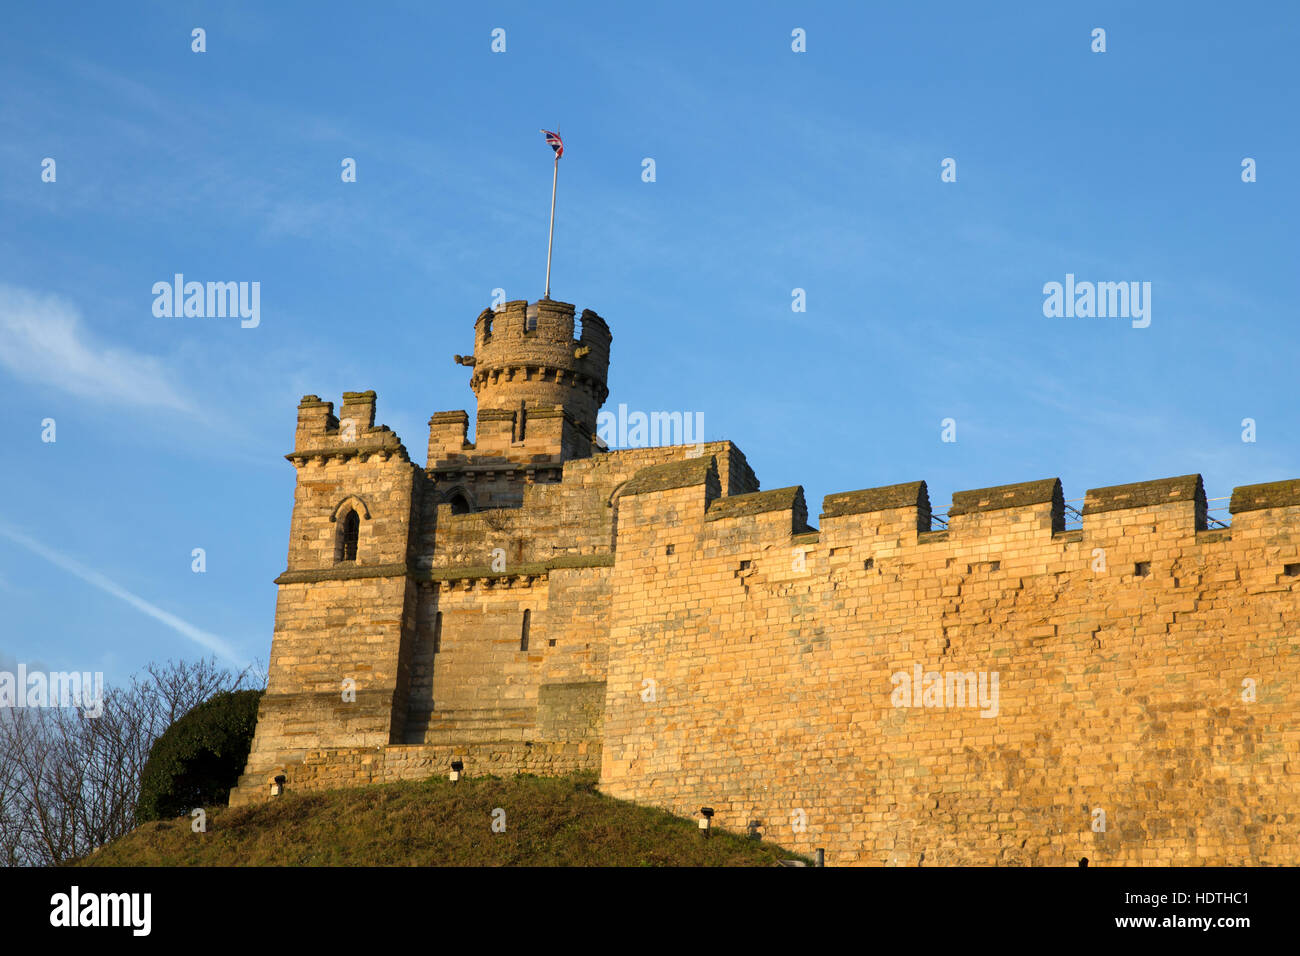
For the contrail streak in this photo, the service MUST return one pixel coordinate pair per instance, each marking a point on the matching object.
(210, 641)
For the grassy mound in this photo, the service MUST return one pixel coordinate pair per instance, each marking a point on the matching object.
(549, 821)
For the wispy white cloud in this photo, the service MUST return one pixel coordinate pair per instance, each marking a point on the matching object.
(44, 340)
(204, 639)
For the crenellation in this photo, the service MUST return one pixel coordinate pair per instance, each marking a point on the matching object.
(449, 436)
(1040, 504)
(595, 339)
(359, 408)
(785, 500)
(1171, 500)
(494, 431)
(315, 420)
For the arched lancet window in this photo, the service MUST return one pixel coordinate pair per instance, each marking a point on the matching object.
(437, 633)
(349, 532)
(458, 502)
(523, 636)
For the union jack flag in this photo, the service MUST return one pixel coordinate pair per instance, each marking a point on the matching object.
(553, 140)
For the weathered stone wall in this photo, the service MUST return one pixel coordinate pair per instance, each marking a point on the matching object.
(340, 768)
(752, 669)
(1002, 690)
(574, 516)
(418, 639)
(339, 667)
(481, 662)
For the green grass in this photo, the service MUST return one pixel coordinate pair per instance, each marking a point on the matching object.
(550, 821)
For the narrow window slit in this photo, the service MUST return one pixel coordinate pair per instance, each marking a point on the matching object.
(349, 533)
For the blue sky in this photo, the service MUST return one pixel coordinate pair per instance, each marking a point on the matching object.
(775, 170)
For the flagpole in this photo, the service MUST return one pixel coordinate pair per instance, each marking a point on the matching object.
(551, 234)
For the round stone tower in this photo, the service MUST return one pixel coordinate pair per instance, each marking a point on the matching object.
(526, 358)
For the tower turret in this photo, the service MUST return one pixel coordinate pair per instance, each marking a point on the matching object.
(527, 353)
(539, 390)
(529, 368)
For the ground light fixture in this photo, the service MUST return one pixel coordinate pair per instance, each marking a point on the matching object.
(277, 785)
(456, 767)
(706, 820)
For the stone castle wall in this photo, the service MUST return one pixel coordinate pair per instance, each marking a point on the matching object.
(699, 643)
(414, 649)
(1121, 651)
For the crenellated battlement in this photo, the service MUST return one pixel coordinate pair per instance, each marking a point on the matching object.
(539, 388)
(547, 321)
(1020, 526)
(322, 436)
(527, 352)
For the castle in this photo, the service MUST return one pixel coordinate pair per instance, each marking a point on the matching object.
(999, 690)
